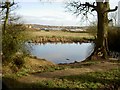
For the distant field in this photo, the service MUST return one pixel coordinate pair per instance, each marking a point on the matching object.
(35, 33)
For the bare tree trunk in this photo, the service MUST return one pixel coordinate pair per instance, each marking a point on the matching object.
(102, 33)
(6, 17)
(101, 48)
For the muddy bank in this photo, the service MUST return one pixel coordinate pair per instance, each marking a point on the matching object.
(43, 39)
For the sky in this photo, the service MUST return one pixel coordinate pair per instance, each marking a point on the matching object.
(51, 12)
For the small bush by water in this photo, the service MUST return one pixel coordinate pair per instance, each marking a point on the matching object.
(19, 61)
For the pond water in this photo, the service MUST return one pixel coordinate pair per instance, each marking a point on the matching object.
(61, 52)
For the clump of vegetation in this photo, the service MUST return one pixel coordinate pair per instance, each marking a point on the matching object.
(13, 45)
(19, 61)
(114, 39)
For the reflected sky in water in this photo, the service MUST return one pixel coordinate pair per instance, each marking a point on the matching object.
(62, 53)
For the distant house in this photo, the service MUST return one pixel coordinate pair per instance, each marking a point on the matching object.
(36, 27)
(28, 26)
(42, 28)
(77, 30)
(51, 28)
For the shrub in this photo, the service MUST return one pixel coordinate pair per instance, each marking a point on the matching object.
(19, 61)
(12, 42)
(114, 39)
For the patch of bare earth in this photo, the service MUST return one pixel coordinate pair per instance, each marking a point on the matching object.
(81, 68)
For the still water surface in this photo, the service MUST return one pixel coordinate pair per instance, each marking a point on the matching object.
(61, 53)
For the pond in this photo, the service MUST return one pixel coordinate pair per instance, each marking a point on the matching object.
(61, 52)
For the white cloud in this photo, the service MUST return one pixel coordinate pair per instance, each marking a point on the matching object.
(50, 20)
(52, 14)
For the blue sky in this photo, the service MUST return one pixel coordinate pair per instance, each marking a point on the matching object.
(50, 13)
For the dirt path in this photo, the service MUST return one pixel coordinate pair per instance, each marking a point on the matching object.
(102, 66)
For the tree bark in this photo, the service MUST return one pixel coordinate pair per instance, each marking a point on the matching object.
(101, 43)
(101, 48)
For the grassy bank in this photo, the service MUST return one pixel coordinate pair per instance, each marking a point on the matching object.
(32, 65)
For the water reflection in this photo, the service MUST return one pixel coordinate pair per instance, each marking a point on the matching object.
(62, 52)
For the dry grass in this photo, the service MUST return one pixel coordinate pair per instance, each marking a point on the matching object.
(34, 33)
(37, 64)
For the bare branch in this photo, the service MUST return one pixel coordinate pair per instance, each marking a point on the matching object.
(112, 10)
(13, 3)
(81, 8)
(6, 4)
(90, 5)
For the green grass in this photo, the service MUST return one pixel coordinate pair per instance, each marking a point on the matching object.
(109, 79)
(50, 69)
